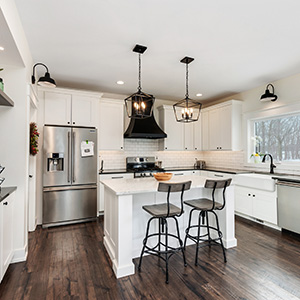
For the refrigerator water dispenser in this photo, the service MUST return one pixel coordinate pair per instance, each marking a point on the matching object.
(55, 162)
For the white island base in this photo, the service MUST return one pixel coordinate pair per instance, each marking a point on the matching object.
(125, 221)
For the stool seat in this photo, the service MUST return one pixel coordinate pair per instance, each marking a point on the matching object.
(161, 210)
(203, 204)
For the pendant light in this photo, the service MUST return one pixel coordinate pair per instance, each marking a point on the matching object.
(268, 96)
(46, 80)
(139, 105)
(187, 110)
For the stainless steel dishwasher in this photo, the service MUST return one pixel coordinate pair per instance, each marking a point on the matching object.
(288, 194)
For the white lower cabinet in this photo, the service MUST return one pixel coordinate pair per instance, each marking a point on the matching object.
(6, 233)
(115, 176)
(255, 203)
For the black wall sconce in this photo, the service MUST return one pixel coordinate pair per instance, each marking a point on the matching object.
(268, 96)
(46, 80)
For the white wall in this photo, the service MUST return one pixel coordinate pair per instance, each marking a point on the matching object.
(14, 127)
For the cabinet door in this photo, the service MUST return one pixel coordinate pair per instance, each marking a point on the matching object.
(243, 201)
(111, 126)
(84, 111)
(57, 110)
(188, 136)
(205, 130)
(6, 233)
(265, 207)
(174, 131)
(197, 135)
(101, 186)
(214, 129)
(225, 120)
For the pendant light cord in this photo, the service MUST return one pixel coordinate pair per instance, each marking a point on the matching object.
(140, 63)
(187, 81)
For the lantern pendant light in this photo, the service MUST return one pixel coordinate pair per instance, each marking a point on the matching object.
(139, 105)
(269, 96)
(187, 110)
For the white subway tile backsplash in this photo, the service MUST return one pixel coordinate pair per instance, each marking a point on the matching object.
(139, 147)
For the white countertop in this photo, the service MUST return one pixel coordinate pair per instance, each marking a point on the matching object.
(147, 185)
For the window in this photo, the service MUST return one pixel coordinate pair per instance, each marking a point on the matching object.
(278, 136)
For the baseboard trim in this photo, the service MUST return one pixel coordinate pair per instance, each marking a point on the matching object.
(20, 254)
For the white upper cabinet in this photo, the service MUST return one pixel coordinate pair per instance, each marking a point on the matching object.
(111, 125)
(222, 126)
(197, 134)
(68, 107)
(84, 110)
(180, 136)
(58, 109)
(204, 130)
(188, 136)
(173, 129)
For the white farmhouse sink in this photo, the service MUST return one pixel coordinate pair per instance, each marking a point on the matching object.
(256, 181)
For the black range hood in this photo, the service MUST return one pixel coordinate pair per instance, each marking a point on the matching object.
(144, 129)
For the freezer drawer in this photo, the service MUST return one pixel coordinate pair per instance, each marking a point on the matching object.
(66, 205)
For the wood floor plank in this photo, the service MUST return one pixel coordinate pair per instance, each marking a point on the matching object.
(70, 262)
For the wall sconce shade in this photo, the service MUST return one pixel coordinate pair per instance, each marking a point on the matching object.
(46, 80)
(268, 96)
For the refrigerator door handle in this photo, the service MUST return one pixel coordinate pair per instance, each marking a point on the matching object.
(73, 160)
(69, 157)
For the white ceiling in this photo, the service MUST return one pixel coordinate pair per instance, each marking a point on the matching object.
(237, 45)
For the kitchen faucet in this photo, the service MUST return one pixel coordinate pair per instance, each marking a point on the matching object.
(272, 166)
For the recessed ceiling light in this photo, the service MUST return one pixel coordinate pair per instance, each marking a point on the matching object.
(120, 82)
(198, 95)
(1, 48)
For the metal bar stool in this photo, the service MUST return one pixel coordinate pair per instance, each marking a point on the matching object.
(205, 206)
(163, 212)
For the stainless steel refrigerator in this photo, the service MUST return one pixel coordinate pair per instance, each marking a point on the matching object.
(70, 175)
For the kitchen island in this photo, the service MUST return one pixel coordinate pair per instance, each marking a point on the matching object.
(125, 221)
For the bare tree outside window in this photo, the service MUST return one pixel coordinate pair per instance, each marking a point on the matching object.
(279, 137)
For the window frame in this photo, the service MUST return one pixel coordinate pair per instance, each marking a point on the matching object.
(250, 118)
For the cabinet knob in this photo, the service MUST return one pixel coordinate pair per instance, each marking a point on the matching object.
(30, 176)
(249, 195)
(253, 195)
(166, 148)
(68, 122)
(220, 147)
(185, 148)
(121, 147)
(196, 148)
(217, 147)
(73, 122)
(5, 203)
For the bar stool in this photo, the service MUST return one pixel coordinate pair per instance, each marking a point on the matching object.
(163, 212)
(205, 206)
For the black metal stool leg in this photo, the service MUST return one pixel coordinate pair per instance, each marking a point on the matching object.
(180, 242)
(160, 224)
(198, 237)
(167, 255)
(188, 228)
(220, 236)
(208, 232)
(144, 244)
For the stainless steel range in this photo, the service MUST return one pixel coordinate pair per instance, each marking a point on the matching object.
(142, 166)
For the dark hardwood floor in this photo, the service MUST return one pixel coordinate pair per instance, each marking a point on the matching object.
(70, 262)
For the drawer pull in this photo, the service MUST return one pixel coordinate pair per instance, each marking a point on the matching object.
(117, 177)
(5, 203)
(217, 175)
(178, 174)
